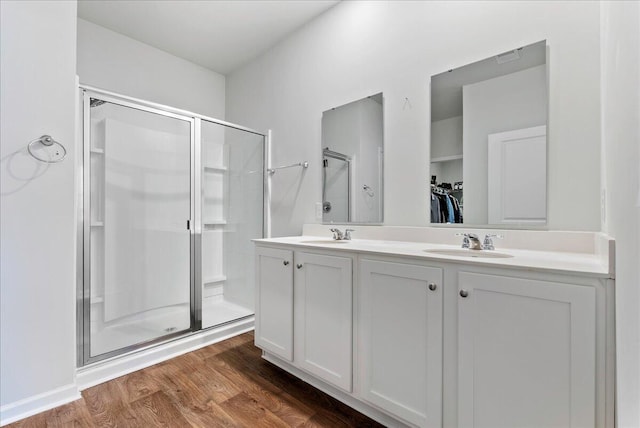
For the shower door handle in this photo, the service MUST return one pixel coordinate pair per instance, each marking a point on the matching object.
(188, 224)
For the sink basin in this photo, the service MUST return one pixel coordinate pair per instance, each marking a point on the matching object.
(469, 253)
(325, 241)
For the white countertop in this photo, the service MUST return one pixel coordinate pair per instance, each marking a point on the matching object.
(590, 264)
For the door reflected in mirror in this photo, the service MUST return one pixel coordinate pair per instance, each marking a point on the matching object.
(488, 140)
(352, 162)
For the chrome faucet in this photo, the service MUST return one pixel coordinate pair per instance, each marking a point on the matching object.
(470, 241)
(347, 234)
(474, 242)
(339, 236)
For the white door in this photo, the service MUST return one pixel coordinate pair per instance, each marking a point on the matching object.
(274, 301)
(517, 176)
(322, 301)
(400, 334)
(526, 353)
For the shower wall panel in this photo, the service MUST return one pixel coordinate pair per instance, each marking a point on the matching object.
(146, 211)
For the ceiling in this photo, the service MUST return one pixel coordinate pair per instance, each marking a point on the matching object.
(221, 35)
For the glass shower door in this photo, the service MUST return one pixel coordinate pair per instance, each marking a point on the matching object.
(138, 267)
(232, 214)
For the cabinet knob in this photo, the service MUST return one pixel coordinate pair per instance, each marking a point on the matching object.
(432, 286)
(299, 265)
(286, 262)
(464, 293)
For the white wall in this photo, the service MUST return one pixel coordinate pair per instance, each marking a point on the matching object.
(506, 103)
(117, 63)
(446, 137)
(359, 48)
(621, 180)
(37, 221)
(367, 203)
(448, 171)
(146, 252)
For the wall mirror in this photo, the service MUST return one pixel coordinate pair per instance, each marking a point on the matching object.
(352, 162)
(489, 141)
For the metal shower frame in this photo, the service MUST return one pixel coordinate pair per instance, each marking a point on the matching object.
(83, 226)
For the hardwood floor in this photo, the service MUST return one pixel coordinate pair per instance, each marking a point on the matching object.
(222, 385)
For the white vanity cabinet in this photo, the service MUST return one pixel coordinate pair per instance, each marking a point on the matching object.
(400, 339)
(420, 341)
(526, 352)
(274, 301)
(322, 313)
(304, 311)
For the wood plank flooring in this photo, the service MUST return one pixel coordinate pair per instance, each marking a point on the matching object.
(226, 384)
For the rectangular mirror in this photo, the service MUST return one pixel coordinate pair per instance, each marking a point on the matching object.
(489, 141)
(352, 162)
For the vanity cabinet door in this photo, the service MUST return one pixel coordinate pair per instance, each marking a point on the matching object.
(400, 335)
(323, 317)
(274, 301)
(526, 353)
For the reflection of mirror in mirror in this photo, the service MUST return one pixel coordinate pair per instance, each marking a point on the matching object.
(488, 140)
(352, 154)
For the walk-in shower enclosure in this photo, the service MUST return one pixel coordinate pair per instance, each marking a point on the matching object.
(170, 203)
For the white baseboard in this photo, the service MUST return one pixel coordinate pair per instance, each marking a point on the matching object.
(103, 371)
(30, 406)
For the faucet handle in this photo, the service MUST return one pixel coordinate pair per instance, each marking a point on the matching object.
(465, 239)
(347, 234)
(488, 241)
(337, 234)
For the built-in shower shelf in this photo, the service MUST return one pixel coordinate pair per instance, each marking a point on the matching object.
(446, 158)
(97, 151)
(97, 224)
(214, 223)
(215, 168)
(213, 291)
(215, 279)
